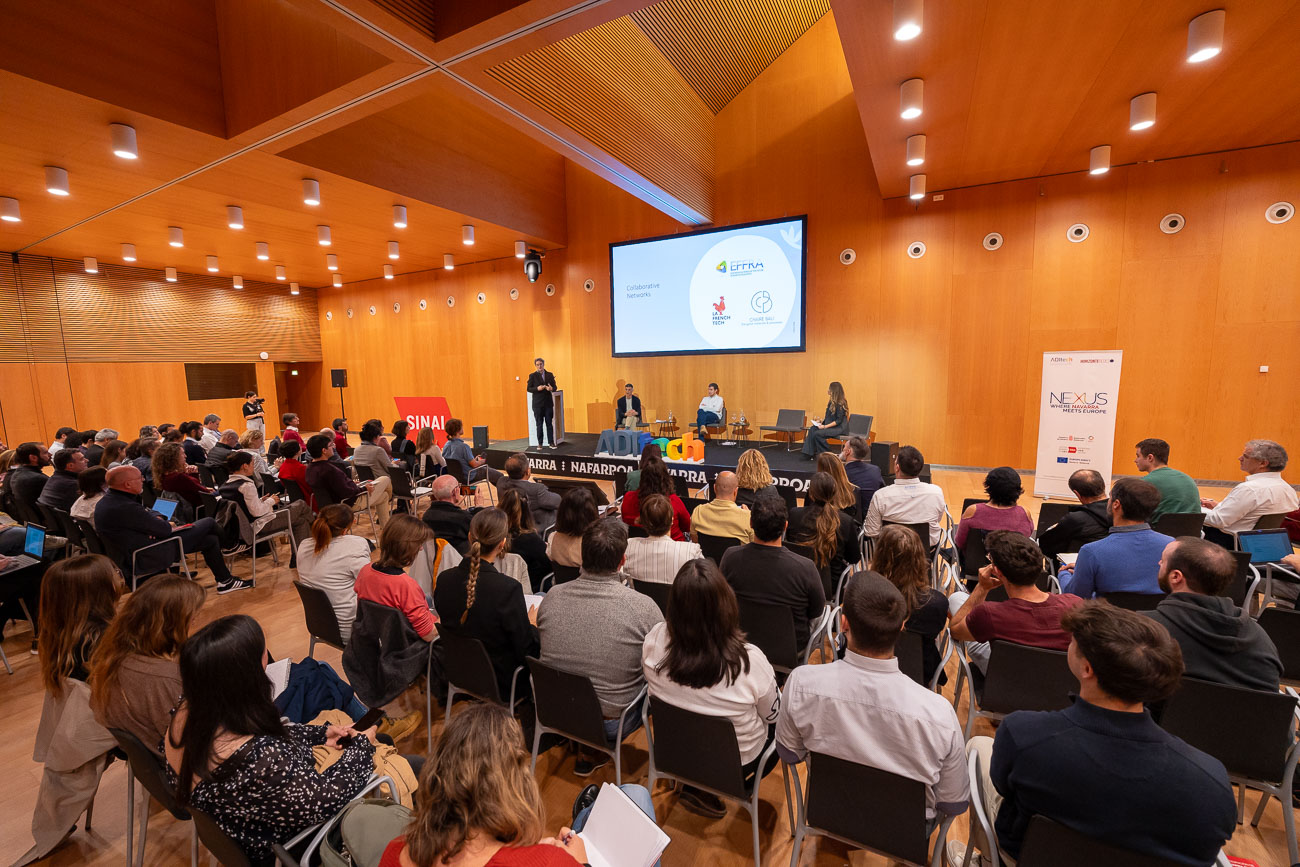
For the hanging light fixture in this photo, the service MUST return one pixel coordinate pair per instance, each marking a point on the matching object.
(263, 250)
(393, 252)
(128, 252)
(175, 236)
(310, 191)
(92, 267)
(907, 19)
(331, 262)
(915, 150)
(1099, 160)
(388, 272)
(521, 249)
(448, 262)
(123, 137)
(1142, 111)
(916, 187)
(9, 210)
(279, 272)
(234, 216)
(467, 235)
(338, 281)
(323, 236)
(56, 181)
(911, 96)
(170, 274)
(237, 282)
(212, 265)
(399, 216)
(1205, 36)
(293, 288)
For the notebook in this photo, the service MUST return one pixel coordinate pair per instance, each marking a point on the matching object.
(531, 599)
(1067, 559)
(1265, 546)
(618, 834)
(278, 673)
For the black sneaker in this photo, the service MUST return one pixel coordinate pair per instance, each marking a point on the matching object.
(589, 762)
(703, 803)
(586, 798)
(232, 585)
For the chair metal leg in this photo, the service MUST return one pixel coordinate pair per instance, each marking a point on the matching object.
(22, 603)
(789, 803)
(1259, 809)
(753, 821)
(145, 801)
(130, 815)
(537, 745)
(311, 647)
(194, 844)
(5, 659)
(618, 764)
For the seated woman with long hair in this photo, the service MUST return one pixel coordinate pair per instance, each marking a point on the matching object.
(91, 483)
(1001, 512)
(78, 602)
(170, 474)
(752, 476)
(846, 493)
(821, 527)
(253, 441)
(651, 452)
(386, 581)
(899, 555)
(403, 449)
(229, 755)
(524, 540)
(332, 559)
(698, 659)
(577, 512)
(428, 457)
(655, 479)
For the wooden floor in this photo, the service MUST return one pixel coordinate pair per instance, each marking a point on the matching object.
(695, 840)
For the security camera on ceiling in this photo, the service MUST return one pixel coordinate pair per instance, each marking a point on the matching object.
(533, 265)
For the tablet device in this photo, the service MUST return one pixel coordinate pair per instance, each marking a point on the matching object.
(166, 508)
(1265, 546)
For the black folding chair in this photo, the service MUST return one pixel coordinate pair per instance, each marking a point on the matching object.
(1283, 626)
(94, 544)
(1048, 515)
(770, 627)
(461, 473)
(405, 490)
(922, 532)
(207, 477)
(1018, 678)
(714, 547)
(788, 423)
(1245, 583)
(974, 557)
(636, 531)
(564, 574)
(567, 705)
(1051, 844)
(364, 473)
(1180, 524)
(469, 672)
(293, 490)
(1134, 601)
(147, 766)
(656, 591)
(322, 620)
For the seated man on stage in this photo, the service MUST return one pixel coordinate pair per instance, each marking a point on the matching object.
(627, 409)
(710, 411)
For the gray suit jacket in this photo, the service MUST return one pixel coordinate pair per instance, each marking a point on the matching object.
(542, 501)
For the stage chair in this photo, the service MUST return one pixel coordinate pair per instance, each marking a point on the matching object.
(858, 426)
(788, 423)
(566, 704)
(720, 428)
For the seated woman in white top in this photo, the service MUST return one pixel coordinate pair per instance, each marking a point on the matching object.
(428, 457)
(90, 482)
(698, 660)
(332, 559)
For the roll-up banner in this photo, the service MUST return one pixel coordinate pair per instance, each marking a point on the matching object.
(1076, 418)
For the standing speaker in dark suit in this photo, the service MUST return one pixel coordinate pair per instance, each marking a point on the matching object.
(541, 385)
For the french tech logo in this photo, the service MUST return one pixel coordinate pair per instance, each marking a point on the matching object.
(721, 304)
(719, 316)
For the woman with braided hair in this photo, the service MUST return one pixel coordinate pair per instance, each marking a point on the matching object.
(475, 600)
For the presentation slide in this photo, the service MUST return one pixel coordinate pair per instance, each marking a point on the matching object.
(737, 289)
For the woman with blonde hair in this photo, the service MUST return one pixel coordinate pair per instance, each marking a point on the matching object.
(332, 559)
(252, 441)
(475, 600)
(825, 530)
(846, 493)
(835, 423)
(385, 582)
(428, 457)
(900, 556)
(752, 475)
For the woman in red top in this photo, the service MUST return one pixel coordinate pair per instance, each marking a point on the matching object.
(478, 802)
(170, 474)
(290, 469)
(385, 581)
(656, 480)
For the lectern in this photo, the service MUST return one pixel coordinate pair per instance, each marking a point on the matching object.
(532, 420)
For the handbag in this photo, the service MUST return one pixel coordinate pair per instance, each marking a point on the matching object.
(363, 832)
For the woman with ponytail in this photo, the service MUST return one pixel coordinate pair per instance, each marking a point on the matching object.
(332, 559)
(475, 600)
(820, 526)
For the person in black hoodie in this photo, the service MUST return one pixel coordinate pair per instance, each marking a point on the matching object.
(1084, 523)
(1218, 644)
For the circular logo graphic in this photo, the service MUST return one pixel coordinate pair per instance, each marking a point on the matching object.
(761, 302)
(742, 293)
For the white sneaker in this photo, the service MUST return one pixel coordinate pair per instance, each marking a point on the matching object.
(955, 856)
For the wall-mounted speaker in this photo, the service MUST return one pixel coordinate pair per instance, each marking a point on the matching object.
(916, 249)
(514, 294)
(589, 284)
(373, 311)
(451, 300)
(424, 305)
(993, 241)
(397, 307)
(482, 298)
(1078, 232)
(349, 312)
(550, 288)
(329, 316)
(848, 256)
(338, 377)
(1172, 224)
(1279, 212)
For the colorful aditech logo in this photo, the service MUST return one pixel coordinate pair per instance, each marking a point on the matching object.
(739, 267)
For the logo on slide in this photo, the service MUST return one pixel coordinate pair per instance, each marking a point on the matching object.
(421, 412)
(759, 315)
(722, 267)
(721, 304)
(761, 302)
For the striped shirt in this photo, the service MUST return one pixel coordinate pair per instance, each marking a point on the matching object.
(658, 558)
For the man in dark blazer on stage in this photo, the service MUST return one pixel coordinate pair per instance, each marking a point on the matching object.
(541, 385)
(628, 403)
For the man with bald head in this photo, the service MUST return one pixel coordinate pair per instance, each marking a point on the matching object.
(445, 517)
(224, 448)
(128, 526)
(721, 516)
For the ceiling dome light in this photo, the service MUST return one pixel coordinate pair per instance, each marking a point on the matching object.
(1142, 111)
(331, 262)
(907, 19)
(911, 96)
(92, 267)
(338, 281)
(1205, 36)
(212, 265)
(123, 140)
(9, 210)
(388, 272)
(448, 262)
(310, 191)
(915, 150)
(467, 235)
(237, 282)
(521, 249)
(916, 187)
(1099, 160)
(128, 252)
(56, 181)
(263, 250)
(393, 252)
(293, 288)
(399, 216)
(175, 237)
(234, 216)
(170, 274)
(279, 272)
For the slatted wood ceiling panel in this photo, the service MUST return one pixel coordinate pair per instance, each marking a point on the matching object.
(613, 87)
(720, 46)
(417, 13)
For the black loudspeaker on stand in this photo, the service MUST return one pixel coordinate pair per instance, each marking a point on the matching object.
(339, 380)
(480, 437)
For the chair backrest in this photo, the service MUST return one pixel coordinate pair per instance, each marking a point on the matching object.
(1049, 514)
(1249, 730)
(93, 543)
(564, 574)
(973, 555)
(695, 747)
(1134, 601)
(789, 418)
(921, 530)
(457, 470)
(1045, 583)
(293, 489)
(210, 504)
(401, 482)
(69, 528)
(468, 667)
(566, 702)
(714, 547)
(364, 473)
(206, 476)
(1241, 581)
(1180, 524)
(878, 810)
(322, 621)
(1051, 844)
(909, 652)
(322, 497)
(1283, 626)
(636, 531)
(970, 501)
(216, 841)
(147, 767)
(859, 425)
(656, 591)
(1270, 522)
(771, 628)
(1026, 678)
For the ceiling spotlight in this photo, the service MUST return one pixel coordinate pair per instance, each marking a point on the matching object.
(212, 265)
(338, 281)
(448, 262)
(9, 210)
(92, 267)
(907, 19)
(1205, 36)
(399, 216)
(175, 237)
(234, 216)
(533, 265)
(1142, 111)
(170, 273)
(911, 94)
(916, 187)
(237, 281)
(521, 249)
(323, 236)
(123, 140)
(293, 288)
(388, 272)
(915, 150)
(393, 252)
(331, 262)
(56, 181)
(128, 252)
(310, 191)
(279, 272)
(467, 235)
(1099, 160)
(263, 250)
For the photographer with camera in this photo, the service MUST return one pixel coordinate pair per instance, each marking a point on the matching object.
(254, 417)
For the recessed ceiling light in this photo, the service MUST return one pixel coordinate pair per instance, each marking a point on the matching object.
(907, 19)
(399, 216)
(56, 181)
(123, 137)
(1099, 160)
(521, 249)
(916, 187)
(1142, 111)
(467, 235)
(393, 252)
(263, 250)
(911, 96)
(331, 261)
(9, 210)
(915, 150)
(92, 267)
(1205, 36)
(338, 280)
(310, 191)
(388, 272)
(237, 281)
(323, 236)
(234, 216)
(212, 265)
(279, 272)
(293, 288)
(175, 237)
(448, 261)
(128, 252)
(170, 274)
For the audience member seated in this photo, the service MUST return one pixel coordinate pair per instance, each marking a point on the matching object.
(331, 558)
(60, 490)
(195, 454)
(1178, 493)
(135, 681)
(91, 483)
(291, 435)
(474, 600)
(403, 448)
(289, 468)
(253, 441)
(649, 453)
(222, 449)
(174, 435)
(863, 709)
(524, 540)
(380, 439)
(1029, 615)
(657, 557)
(370, 455)
(325, 476)
(95, 443)
(899, 556)
(211, 432)
(428, 457)
(865, 476)
(721, 516)
(78, 602)
(846, 496)
(541, 501)
(456, 449)
(385, 581)
(577, 512)
(339, 432)
(229, 754)
(132, 526)
(1128, 559)
(260, 509)
(908, 500)
(655, 479)
(171, 474)
(752, 476)
(766, 571)
(596, 626)
(698, 659)
(25, 480)
(114, 454)
(445, 517)
(1264, 492)
(1218, 644)
(143, 461)
(825, 530)
(478, 802)
(60, 438)
(1002, 484)
(1102, 766)
(1084, 523)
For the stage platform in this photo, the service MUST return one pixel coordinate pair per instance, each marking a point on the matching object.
(576, 458)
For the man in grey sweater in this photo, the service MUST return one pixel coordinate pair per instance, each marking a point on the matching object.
(596, 626)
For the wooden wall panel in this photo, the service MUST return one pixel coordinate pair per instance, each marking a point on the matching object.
(20, 414)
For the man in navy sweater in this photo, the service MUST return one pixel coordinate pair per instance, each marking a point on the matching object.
(856, 456)
(1103, 767)
(1128, 559)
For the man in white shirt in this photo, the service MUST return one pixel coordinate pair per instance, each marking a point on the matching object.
(260, 511)
(658, 558)
(1262, 493)
(710, 411)
(908, 500)
(863, 709)
(60, 436)
(211, 431)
